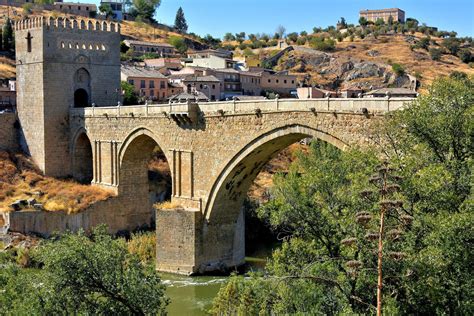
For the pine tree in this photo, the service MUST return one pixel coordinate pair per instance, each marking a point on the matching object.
(180, 21)
(7, 35)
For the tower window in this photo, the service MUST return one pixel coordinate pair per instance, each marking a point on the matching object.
(28, 42)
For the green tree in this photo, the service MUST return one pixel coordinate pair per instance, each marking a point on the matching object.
(327, 263)
(179, 43)
(452, 45)
(379, 22)
(180, 21)
(82, 275)
(293, 37)
(145, 9)
(130, 97)
(7, 35)
(229, 37)
(423, 43)
(363, 21)
(106, 10)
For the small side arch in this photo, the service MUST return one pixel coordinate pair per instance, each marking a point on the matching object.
(82, 157)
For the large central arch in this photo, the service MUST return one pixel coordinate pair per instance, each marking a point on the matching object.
(224, 220)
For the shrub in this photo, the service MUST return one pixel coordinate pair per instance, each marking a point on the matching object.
(178, 43)
(435, 53)
(322, 43)
(424, 43)
(129, 94)
(398, 69)
(452, 45)
(144, 246)
(465, 55)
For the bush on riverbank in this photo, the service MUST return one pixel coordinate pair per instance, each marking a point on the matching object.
(82, 275)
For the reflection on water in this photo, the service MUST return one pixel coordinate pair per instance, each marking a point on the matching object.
(194, 295)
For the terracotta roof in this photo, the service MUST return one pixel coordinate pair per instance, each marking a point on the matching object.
(201, 79)
(131, 71)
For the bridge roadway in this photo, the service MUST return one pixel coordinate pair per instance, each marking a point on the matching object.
(214, 150)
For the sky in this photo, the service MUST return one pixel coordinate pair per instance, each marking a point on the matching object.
(216, 17)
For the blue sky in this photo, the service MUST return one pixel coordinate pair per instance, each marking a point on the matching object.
(217, 17)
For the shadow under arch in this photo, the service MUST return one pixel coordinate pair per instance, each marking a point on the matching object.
(229, 191)
(82, 159)
(135, 154)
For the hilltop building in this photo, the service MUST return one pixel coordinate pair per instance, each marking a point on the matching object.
(384, 14)
(76, 8)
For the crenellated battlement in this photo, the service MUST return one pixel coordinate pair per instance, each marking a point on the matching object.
(66, 23)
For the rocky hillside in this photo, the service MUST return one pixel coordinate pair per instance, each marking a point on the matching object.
(370, 63)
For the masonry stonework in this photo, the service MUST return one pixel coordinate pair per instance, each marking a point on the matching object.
(214, 149)
(62, 63)
(213, 158)
(8, 132)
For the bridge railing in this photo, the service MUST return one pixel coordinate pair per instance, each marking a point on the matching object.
(360, 105)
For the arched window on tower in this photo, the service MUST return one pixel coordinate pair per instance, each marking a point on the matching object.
(28, 42)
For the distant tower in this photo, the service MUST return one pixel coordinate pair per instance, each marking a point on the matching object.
(60, 64)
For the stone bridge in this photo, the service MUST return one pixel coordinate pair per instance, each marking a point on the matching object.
(215, 150)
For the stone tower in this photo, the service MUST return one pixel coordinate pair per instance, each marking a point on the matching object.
(60, 64)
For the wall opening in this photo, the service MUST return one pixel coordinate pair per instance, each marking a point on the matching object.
(145, 175)
(81, 98)
(82, 159)
(28, 42)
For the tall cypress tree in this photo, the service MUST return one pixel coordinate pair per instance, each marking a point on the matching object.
(180, 22)
(7, 35)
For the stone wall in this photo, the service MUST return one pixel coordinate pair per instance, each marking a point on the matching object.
(117, 213)
(8, 132)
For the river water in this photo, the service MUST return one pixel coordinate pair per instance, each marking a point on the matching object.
(194, 295)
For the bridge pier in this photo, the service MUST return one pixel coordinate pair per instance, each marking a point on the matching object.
(188, 244)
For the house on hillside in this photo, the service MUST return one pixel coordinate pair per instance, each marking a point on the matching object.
(149, 83)
(116, 6)
(211, 61)
(314, 93)
(384, 14)
(209, 85)
(140, 48)
(211, 52)
(76, 8)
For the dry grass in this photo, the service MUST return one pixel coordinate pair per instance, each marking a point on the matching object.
(167, 205)
(20, 179)
(7, 67)
(143, 245)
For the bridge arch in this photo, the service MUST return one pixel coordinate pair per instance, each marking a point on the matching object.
(224, 221)
(235, 179)
(82, 159)
(136, 171)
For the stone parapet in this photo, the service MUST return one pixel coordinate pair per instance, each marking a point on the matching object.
(325, 105)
